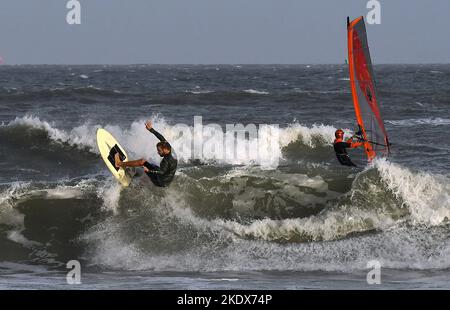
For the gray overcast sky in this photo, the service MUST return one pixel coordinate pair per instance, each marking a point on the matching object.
(219, 31)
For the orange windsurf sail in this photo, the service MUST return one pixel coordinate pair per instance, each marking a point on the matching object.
(365, 99)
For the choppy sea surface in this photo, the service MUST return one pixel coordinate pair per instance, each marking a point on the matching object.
(223, 223)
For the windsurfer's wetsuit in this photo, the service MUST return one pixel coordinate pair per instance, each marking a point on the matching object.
(341, 153)
(162, 176)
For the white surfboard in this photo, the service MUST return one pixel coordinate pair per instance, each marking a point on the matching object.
(109, 147)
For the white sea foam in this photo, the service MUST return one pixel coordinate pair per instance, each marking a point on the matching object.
(109, 192)
(199, 92)
(17, 237)
(426, 195)
(420, 121)
(256, 92)
(8, 198)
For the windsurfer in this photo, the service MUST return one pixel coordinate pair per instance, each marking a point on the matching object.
(340, 147)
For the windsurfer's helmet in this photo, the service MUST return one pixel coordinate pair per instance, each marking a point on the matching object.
(339, 133)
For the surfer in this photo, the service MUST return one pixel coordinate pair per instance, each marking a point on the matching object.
(160, 176)
(340, 147)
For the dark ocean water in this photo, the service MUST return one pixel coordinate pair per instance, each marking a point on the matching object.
(305, 223)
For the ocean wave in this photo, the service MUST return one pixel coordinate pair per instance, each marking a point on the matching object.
(321, 92)
(211, 96)
(199, 92)
(376, 202)
(401, 249)
(81, 136)
(8, 200)
(256, 92)
(425, 195)
(420, 121)
(332, 226)
(268, 150)
(18, 192)
(40, 220)
(12, 94)
(211, 223)
(358, 229)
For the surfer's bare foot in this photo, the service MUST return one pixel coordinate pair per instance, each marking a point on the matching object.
(117, 160)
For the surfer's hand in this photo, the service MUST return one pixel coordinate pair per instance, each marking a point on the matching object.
(148, 125)
(146, 169)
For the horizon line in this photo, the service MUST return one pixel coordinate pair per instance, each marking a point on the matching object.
(216, 64)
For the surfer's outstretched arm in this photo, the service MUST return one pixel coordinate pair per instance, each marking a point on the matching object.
(150, 128)
(158, 135)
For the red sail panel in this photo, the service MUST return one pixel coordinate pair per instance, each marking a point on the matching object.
(364, 92)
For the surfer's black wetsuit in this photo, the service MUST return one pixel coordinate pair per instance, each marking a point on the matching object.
(341, 153)
(162, 176)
